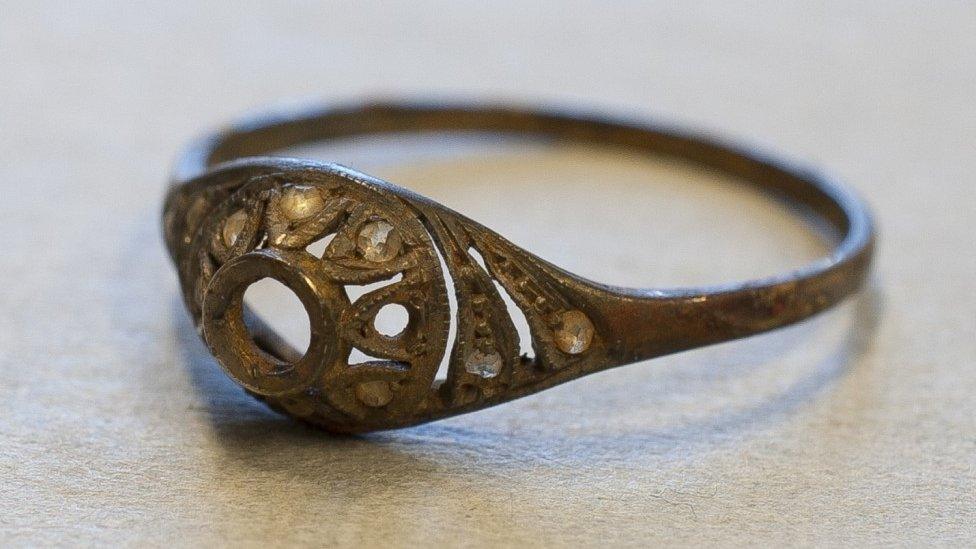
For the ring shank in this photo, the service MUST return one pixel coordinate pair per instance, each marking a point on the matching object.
(682, 318)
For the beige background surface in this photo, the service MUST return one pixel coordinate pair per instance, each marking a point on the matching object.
(857, 427)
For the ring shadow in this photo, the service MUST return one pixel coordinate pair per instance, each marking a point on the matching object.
(247, 430)
(466, 461)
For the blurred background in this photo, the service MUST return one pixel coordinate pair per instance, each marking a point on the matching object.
(856, 427)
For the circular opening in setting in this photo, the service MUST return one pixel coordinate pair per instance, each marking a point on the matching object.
(273, 307)
(391, 320)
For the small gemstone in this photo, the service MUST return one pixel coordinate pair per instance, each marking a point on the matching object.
(374, 394)
(378, 241)
(575, 332)
(233, 227)
(485, 365)
(300, 202)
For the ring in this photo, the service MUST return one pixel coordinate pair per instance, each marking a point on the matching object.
(234, 216)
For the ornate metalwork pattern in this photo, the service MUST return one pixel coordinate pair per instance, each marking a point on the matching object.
(241, 221)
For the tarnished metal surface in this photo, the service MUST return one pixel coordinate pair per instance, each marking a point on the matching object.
(234, 217)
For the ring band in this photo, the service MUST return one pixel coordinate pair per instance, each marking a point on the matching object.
(233, 216)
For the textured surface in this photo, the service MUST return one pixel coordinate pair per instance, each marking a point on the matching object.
(856, 427)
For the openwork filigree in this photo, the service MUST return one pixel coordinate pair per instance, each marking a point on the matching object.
(263, 226)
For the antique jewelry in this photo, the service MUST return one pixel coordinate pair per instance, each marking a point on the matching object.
(233, 217)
